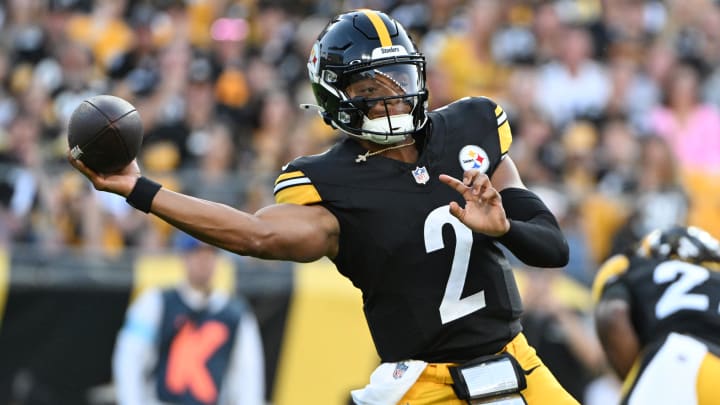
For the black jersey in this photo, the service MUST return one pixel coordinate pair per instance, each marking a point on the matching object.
(664, 296)
(432, 289)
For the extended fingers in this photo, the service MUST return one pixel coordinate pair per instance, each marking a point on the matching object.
(455, 208)
(470, 176)
(489, 194)
(479, 183)
(456, 184)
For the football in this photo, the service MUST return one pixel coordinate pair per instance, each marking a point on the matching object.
(105, 132)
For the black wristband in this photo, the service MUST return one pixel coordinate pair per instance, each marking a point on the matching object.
(143, 193)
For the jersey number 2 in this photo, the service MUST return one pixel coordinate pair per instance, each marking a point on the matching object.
(678, 296)
(452, 306)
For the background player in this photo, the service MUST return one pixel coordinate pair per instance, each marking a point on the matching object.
(191, 343)
(658, 317)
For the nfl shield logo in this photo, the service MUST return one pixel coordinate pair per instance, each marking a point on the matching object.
(421, 175)
(399, 370)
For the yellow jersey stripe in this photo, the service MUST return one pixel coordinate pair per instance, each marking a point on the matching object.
(289, 175)
(504, 132)
(631, 377)
(612, 268)
(300, 194)
(291, 183)
(498, 111)
(380, 27)
(505, 136)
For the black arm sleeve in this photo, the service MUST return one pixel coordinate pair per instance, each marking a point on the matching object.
(534, 236)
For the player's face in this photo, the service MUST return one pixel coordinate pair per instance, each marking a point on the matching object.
(382, 89)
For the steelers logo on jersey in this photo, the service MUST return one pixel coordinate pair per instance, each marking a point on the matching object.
(473, 157)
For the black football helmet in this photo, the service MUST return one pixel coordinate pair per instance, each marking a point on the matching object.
(373, 53)
(690, 244)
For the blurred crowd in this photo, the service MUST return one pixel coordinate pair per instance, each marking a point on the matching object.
(614, 106)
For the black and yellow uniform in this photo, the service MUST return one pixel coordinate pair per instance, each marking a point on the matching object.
(399, 243)
(665, 296)
(433, 290)
(675, 311)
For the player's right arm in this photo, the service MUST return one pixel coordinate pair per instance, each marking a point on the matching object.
(281, 231)
(301, 233)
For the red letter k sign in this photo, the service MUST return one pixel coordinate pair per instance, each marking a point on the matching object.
(188, 356)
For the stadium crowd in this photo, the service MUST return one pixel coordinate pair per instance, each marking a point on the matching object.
(614, 107)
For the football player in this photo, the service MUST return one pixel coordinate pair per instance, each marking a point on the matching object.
(411, 207)
(658, 317)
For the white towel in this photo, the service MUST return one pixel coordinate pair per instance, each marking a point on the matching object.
(389, 383)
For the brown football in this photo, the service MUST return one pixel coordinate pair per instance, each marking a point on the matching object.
(105, 132)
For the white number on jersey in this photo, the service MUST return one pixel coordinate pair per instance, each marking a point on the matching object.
(452, 306)
(677, 296)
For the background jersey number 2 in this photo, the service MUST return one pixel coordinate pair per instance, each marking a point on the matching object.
(452, 306)
(678, 296)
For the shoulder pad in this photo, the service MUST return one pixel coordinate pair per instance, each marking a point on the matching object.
(292, 186)
(608, 273)
(471, 106)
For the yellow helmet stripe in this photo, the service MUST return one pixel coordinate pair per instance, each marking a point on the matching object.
(380, 27)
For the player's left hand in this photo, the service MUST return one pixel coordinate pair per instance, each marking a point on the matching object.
(483, 211)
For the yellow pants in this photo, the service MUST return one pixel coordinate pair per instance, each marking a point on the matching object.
(434, 386)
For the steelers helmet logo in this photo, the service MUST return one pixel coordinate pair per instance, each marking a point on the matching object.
(313, 63)
(473, 157)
